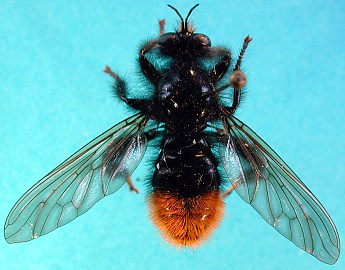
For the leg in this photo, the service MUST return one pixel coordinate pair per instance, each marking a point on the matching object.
(222, 67)
(237, 79)
(161, 26)
(120, 91)
(146, 67)
(246, 41)
(131, 186)
(235, 185)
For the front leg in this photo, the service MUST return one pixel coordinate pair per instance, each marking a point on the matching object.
(222, 66)
(146, 66)
(237, 80)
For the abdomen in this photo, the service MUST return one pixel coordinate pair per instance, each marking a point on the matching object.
(186, 204)
(186, 165)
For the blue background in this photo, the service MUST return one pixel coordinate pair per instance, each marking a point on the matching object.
(54, 98)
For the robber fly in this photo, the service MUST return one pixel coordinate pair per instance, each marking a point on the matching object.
(203, 147)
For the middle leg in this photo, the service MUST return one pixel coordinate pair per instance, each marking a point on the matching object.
(119, 86)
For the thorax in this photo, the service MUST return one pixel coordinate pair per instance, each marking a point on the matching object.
(185, 98)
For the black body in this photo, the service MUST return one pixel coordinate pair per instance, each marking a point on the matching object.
(186, 165)
(185, 100)
(185, 112)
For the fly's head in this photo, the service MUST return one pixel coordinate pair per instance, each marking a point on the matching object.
(184, 43)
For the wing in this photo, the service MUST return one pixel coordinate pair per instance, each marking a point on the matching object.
(266, 182)
(98, 169)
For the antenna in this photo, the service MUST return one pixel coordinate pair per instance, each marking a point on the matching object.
(178, 13)
(184, 22)
(190, 12)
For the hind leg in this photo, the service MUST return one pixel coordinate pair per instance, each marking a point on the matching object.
(131, 185)
(235, 185)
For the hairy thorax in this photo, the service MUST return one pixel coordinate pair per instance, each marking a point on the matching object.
(186, 100)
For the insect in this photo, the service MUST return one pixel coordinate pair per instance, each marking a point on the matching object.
(203, 147)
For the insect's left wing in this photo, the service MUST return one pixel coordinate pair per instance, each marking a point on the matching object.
(266, 182)
(98, 169)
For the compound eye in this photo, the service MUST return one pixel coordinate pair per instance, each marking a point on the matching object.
(202, 39)
(166, 39)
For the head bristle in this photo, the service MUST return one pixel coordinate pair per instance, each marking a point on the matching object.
(190, 27)
(186, 222)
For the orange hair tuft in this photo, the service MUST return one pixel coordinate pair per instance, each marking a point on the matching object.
(186, 221)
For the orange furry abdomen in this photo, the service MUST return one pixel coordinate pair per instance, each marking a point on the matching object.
(186, 221)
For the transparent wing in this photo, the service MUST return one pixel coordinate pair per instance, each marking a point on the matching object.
(98, 169)
(267, 183)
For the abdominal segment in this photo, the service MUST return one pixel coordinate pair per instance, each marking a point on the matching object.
(185, 204)
(186, 165)
(186, 221)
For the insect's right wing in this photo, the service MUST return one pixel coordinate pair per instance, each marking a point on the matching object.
(98, 169)
(267, 183)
